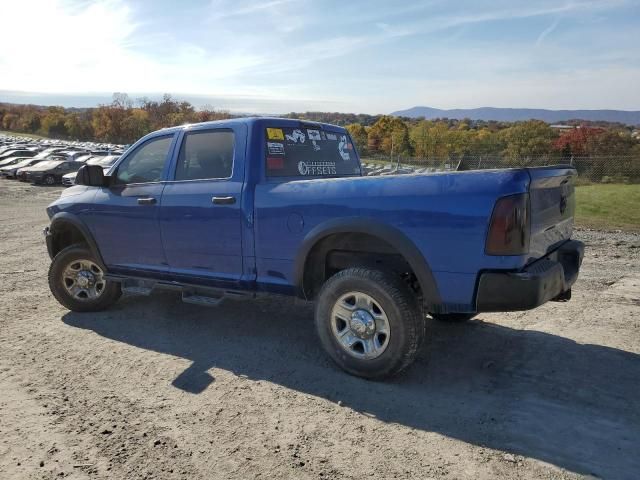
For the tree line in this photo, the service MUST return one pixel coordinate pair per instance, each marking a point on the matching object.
(518, 142)
(121, 121)
(124, 121)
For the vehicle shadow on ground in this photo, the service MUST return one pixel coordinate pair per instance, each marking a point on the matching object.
(521, 391)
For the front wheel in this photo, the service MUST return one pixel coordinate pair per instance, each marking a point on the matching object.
(77, 281)
(49, 180)
(369, 322)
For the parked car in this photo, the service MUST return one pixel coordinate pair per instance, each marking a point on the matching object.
(9, 161)
(50, 172)
(48, 152)
(254, 206)
(105, 162)
(16, 153)
(10, 171)
(21, 173)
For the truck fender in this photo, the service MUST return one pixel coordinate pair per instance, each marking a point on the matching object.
(369, 226)
(58, 221)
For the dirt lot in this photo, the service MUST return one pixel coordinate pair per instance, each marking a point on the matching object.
(155, 388)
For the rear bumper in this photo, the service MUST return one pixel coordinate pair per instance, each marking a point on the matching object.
(546, 279)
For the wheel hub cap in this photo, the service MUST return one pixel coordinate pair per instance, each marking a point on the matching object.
(360, 326)
(362, 323)
(85, 279)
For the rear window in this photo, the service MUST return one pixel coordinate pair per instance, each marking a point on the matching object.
(309, 152)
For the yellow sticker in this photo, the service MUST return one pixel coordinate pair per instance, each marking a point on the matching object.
(275, 134)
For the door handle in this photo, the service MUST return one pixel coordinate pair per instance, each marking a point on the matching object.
(146, 201)
(223, 200)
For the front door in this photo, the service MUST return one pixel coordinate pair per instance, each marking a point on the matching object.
(201, 211)
(124, 217)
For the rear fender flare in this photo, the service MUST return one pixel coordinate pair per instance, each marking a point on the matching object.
(389, 234)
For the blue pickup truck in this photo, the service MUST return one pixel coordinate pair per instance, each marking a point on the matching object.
(257, 206)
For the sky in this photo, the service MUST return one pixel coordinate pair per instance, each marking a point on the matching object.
(277, 56)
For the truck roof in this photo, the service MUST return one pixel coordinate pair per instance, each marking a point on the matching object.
(259, 121)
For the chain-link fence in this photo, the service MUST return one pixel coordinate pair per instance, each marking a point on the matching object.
(593, 169)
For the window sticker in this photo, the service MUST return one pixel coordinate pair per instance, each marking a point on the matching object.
(275, 163)
(317, 168)
(275, 134)
(314, 135)
(296, 136)
(342, 148)
(275, 148)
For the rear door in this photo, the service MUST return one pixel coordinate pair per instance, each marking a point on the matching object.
(552, 201)
(124, 217)
(201, 211)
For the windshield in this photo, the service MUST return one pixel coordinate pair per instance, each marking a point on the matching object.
(309, 152)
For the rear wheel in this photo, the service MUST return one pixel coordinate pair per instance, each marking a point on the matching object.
(369, 322)
(77, 281)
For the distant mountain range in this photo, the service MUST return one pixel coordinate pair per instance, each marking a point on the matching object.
(518, 114)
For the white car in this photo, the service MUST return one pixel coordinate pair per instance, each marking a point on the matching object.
(105, 162)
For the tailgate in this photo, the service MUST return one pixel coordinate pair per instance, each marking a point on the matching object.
(552, 202)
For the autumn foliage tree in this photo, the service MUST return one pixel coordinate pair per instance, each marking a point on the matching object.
(577, 141)
(389, 135)
(360, 137)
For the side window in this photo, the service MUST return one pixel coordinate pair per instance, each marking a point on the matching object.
(146, 163)
(206, 154)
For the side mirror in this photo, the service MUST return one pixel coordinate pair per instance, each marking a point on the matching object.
(91, 176)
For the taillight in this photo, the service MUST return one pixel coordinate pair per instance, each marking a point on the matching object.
(509, 228)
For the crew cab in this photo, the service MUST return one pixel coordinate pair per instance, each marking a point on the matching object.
(265, 206)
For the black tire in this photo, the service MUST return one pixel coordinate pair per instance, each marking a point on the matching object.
(49, 180)
(108, 296)
(453, 317)
(407, 323)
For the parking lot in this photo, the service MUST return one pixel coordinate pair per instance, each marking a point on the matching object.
(155, 388)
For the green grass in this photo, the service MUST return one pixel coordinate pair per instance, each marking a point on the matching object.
(609, 207)
(19, 134)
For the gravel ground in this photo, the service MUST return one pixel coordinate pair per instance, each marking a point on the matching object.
(155, 388)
